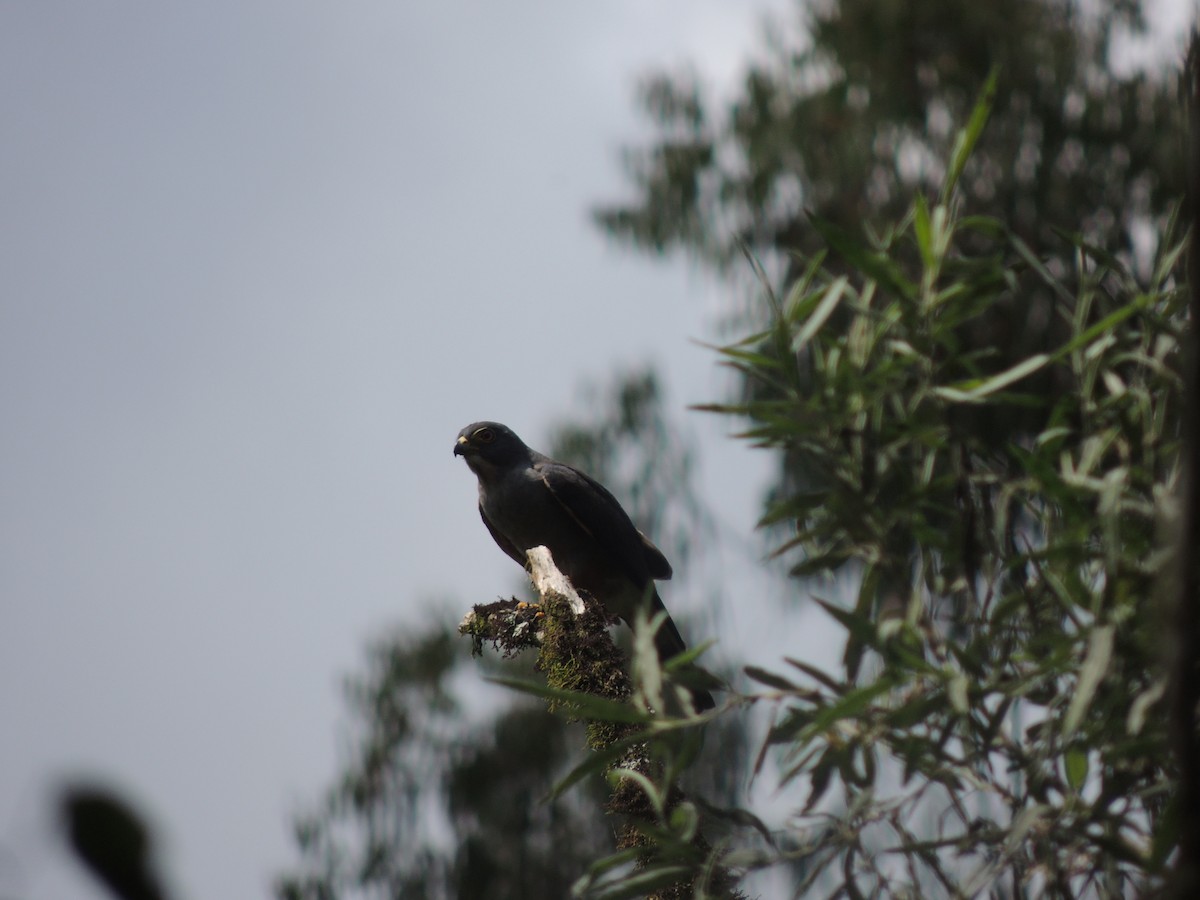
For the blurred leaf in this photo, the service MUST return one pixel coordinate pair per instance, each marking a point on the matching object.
(877, 266)
(1075, 763)
(812, 323)
(968, 137)
(956, 690)
(977, 389)
(1095, 667)
(643, 882)
(770, 679)
(1140, 707)
(112, 840)
(585, 706)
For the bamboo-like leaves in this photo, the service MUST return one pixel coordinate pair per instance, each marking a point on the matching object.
(989, 517)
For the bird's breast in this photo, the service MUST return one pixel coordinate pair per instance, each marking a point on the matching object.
(528, 515)
(524, 511)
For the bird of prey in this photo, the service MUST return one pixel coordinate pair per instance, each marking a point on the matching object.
(528, 500)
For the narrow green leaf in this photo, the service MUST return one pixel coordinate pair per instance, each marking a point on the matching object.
(1103, 326)
(813, 672)
(1165, 264)
(964, 142)
(649, 788)
(1013, 837)
(1095, 666)
(956, 690)
(601, 866)
(644, 881)
(1031, 258)
(1138, 710)
(799, 300)
(829, 302)
(922, 230)
(689, 656)
(864, 634)
(755, 360)
(1075, 764)
(819, 781)
(594, 764)
(735, 815)
(789, 728)
(992, 227)
(860, 627)
(727, 409)
(976, 389)
(1166, 834)
(747, 858)
(850, 705)
(770, 679)
(684, 820)
(587, 706)
(1052, 434)
(877, 266)
(1102, 256)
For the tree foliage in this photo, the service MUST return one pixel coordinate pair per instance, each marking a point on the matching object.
(418, 810)
(849, 114)
(998, 727)
(856, 109)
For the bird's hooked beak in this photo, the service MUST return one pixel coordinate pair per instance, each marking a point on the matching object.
(461, 447)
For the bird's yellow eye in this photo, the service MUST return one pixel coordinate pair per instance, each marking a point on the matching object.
(485, 435)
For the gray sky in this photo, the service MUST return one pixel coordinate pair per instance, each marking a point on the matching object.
(260, 262)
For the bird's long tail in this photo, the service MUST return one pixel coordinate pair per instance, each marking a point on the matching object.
(669, 643)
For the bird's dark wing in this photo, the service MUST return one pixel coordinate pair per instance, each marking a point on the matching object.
(660, 569)
(501, 541)
(599, 514)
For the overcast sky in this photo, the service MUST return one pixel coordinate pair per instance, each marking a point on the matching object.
(260, 262)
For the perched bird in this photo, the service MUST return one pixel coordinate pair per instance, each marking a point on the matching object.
(528, 500)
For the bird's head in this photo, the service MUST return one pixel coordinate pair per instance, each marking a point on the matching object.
(490, 446)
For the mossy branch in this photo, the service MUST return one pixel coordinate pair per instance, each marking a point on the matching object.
(577, 655)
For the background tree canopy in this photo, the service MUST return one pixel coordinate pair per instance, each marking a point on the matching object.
(852, 112)
(972, 372)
